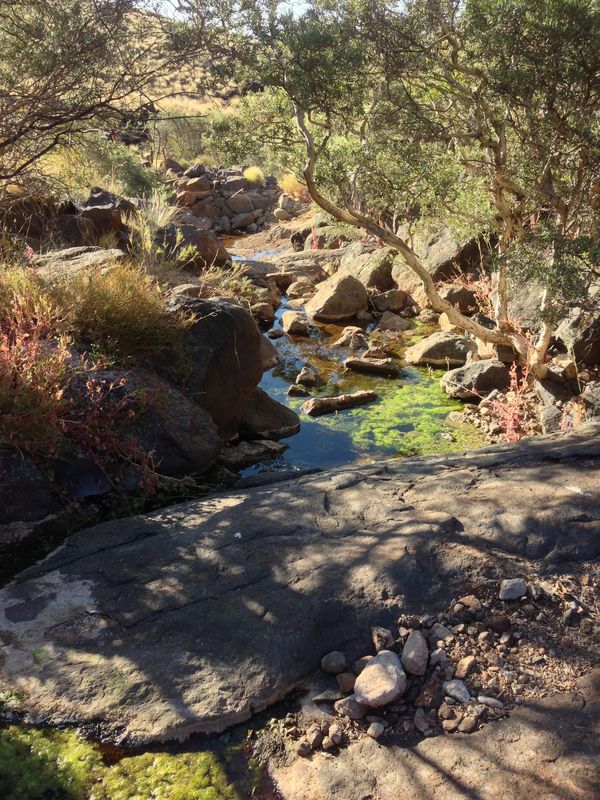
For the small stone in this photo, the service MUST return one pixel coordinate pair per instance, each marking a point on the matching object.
(346, 681)
(333, 662)
(350, 707)
(506, 638)
(450, 725)
(471, 602)
(328, 744)
(485, 636)
(303, 748)
(464, 666)
(297, 391)
(375, 730)
(438, 656)
(382, 638)
(420, 720)
(570, 617)
(458, 690)
(499, 623)
(440, 632)
(468, 725)
(335, 734)
(513, 588)
(415, 654)
(491, 702)
(308, 376)
(586, 625)
(315, 738)
(382, 681)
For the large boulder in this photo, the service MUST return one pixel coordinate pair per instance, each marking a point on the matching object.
(476, 379)
(441, 349)
(265, 418)
(223, 345)
(372, 268)
(195, 246)
(338, 298)
(580, 333)
(25, 493)
(591, 399)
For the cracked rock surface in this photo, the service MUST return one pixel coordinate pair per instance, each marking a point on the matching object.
(192, 618)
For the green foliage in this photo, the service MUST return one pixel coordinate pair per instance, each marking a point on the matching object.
(94, 160)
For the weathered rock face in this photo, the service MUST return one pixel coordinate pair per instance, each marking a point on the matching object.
(224, 348)
(476, 379)
(265, 418)
(591, 399)
(338, 298)
(581, 334)
(372, 268)
(192, 618)
(72, 260)
(202, 248)
(441, 349)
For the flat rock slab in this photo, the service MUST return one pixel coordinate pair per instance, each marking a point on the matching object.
(193, 618)
(543, 751)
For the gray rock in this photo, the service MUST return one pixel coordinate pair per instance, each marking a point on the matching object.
(591, 399)
(415, 654)
(476, 379)
(491, 702)
(375, 730)
(65, 263)
(441, 349)
(551, 418)
(382, 680)
(350, 707)
(460, 296)
(457, 690)
(333, 662)
(439, 632)
(513, 588)
(195, 247)
(373, 268)
(309, 376)
(244, 454)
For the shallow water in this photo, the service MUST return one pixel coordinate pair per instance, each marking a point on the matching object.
(409, 418)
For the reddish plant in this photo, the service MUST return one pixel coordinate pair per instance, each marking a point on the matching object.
(512, 409)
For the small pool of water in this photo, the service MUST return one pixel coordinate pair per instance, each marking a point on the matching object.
(408, 419)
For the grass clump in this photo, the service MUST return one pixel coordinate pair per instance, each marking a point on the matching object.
(289, 184)
(254, 175)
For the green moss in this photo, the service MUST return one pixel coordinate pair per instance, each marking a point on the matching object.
(46, 765)
(60, 765)
(160, 776)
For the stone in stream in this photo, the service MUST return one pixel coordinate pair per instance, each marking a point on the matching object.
(386, 367)
(392, 322)
(352, 337)
(338, 298)
(415, 654)
(382, 681)
(294, 323)
(297, 391)
(476, 379)
(246, 453)
(327, 405)
(309, 376)
(441, 349)
(265, 418)
(392, 300)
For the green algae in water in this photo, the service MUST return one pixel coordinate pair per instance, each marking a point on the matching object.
(161, 776)
(60, 765)
(46, 765)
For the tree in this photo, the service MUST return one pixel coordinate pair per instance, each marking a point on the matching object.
(67, 64)
(486, 108)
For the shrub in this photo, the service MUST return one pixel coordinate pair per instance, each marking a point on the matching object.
(254, 175)
(93, 160)
(290, 184)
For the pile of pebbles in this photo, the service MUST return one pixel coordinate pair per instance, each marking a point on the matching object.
(447, 673)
